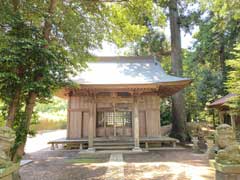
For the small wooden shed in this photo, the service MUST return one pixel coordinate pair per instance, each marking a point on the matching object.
(117, 98)
(225, 114)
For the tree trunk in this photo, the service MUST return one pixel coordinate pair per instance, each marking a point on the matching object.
(223, 65)
(178, 103)
(30, 103)
(222, 58)
(13, 108)
(48, 24)
(15, 4)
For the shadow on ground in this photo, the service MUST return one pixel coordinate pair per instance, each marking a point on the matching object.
(64, 165)
(168, 165)
(158, 165)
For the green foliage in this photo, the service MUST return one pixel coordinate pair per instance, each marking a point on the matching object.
(41, 46)
(53, 106)
(218, 30)
(2, 116)
(206, 86)
(129, 21)
(51, 115)
(28, 59)
(29, 65)
(44, 125)
(206, 61)
(223, 9)
(233, 82)
(165, 111)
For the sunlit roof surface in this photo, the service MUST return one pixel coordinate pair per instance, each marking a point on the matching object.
(124, 70)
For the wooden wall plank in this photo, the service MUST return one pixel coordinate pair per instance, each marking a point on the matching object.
(79, 108)
(152, 104)
(142, 124)
(85, 124)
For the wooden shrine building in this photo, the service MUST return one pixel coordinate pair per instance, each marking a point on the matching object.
(226, 115)
(118, 98)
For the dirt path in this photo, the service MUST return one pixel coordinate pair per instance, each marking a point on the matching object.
(39, 142)
(115, 169)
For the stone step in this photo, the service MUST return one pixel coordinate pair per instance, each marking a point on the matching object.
(112, 143)
(114, 140)
(113, 147)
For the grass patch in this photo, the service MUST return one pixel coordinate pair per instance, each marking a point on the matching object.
(88, 160)
(49, 125)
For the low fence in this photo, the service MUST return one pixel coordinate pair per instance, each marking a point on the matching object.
(165, 130)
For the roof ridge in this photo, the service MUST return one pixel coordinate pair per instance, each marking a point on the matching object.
(114, 58)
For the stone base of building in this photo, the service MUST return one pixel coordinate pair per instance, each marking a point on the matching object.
(137, 149)
(91, 150)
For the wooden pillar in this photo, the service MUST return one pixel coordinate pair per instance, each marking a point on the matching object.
(159, 125)
(94, 118)
(221, 117)
(68, 116)
(136, 125)
(92, 107)
(114, 121)
(233, 123)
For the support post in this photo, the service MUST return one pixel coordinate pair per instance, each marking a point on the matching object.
(91, 125)
(221, 116)
(80, 146)
(52, 146)
(233, 123)
(136, 125)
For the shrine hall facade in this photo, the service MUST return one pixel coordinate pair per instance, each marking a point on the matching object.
(118, 98)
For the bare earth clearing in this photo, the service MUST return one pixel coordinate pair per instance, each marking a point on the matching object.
(158, 165)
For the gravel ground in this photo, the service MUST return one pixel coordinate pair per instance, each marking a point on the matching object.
(159, 165)
(167, 165)
(70, 165)
(62, 165)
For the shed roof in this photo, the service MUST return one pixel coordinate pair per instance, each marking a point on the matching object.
(221, 101)
(124, 70)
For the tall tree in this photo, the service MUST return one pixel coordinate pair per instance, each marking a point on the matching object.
(233, 82)
(178, 103)
(155, 43)
(38, 76)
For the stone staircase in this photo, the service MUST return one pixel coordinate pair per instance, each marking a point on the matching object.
(111, 145)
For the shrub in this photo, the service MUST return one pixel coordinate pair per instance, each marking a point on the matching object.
(49, 125)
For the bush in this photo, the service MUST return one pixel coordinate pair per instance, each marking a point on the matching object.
(166, 113)
(49, 125)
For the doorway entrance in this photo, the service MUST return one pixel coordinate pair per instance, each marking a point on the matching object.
(114, 124)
